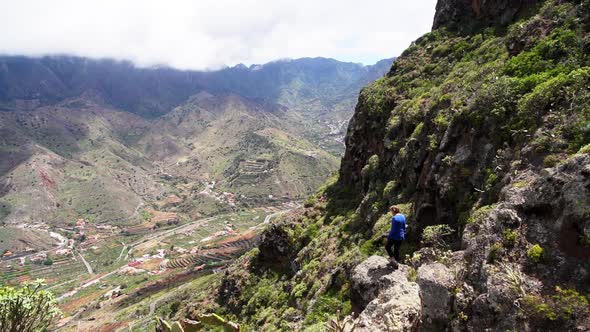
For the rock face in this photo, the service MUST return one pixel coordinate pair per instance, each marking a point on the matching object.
(277, 249)
(463, 13)
(518, 197)
(390, 301)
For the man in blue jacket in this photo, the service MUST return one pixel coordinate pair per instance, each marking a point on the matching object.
(397, 234)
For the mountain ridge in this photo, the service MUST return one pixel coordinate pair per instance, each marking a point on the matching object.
(124, 86)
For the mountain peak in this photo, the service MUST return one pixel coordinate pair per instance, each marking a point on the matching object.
(466, 14)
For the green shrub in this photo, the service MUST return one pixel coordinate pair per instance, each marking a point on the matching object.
(371, 166)
(441, 50)
(368, 248)
(145, 215)
(418, 130)
(569, 303)
(543, 94)
(27, 309)
(448, 160)
(491, 179)
(536, 307)
(299, 290)
(527, 63)
(564, 304)
(536, 253)
(495, 252)
(510, 237)
(441, 121)
(412, 274)
(432, 142)
(480, 214)
(550, 160)
(388, 190)
(326, 305)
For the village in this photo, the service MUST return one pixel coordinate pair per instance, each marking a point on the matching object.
(102, 264)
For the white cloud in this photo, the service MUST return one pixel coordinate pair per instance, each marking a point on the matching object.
(204, 34)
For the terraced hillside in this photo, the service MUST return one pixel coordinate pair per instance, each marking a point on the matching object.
(225, 251)
(134, 281)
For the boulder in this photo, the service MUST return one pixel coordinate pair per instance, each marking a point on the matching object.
(436, 282)
(367, 279)
(390, 301)
(396, 308)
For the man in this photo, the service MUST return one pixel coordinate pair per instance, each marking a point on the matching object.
(397, 234)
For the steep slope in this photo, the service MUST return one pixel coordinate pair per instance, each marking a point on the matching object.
(479, 133)
(64, 163)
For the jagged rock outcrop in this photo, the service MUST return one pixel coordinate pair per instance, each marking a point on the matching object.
(277, 249)
(551, 209)
(467, 13)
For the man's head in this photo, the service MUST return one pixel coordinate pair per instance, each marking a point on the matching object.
(394, 209)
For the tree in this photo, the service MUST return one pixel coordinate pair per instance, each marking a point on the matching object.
(27, 309)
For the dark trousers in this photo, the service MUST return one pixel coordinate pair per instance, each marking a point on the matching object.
(396, 244)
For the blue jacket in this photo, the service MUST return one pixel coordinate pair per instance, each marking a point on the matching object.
(398, 227)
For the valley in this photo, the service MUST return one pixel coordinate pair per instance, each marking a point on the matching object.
(447, 189)
(121, 202)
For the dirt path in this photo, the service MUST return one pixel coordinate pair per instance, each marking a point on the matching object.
(268, 218)
(88, 267)
(121, 254)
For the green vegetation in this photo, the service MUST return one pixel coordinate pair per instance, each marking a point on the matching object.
(480, 214)
(536, 253)
(510, 237)
(27, 308)
(204, 320)
(145, 215)
(585, 238)
(412, 274)
(435, 235)
(495, 252)
(585, 149)
(564, 304)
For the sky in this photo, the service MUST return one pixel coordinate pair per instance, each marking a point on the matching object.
(209, 34)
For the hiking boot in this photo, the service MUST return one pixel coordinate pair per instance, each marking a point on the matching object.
(393, 263)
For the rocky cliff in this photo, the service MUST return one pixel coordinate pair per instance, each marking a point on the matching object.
(463, 14)
(480, 134)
